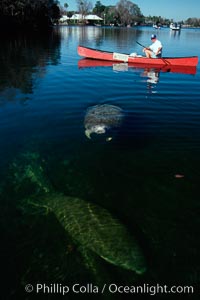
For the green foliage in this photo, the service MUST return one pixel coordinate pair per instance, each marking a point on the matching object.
(99, 8)
(127, 12)
(27, 175)
(38, 13)
(84, 6)
(157, 20)
(66, 5)
(193, 22)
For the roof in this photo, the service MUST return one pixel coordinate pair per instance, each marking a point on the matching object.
(93, 17)
(77, 17)
(64, 18)
(87, 17)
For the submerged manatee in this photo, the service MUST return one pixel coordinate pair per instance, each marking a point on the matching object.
(100, 118)
(94, 228)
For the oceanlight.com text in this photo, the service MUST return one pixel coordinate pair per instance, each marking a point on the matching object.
(112, 288)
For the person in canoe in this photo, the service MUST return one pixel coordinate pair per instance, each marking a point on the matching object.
(155, 49)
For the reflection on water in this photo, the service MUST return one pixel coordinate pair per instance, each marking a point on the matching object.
(116, 37)
(23, 60)
(79, 210)
(175, 33)
(152, 78)
(152, 75)
(89, 63)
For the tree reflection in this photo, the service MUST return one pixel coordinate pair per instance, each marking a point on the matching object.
(24, 58)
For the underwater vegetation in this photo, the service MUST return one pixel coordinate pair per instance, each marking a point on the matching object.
(27, 175)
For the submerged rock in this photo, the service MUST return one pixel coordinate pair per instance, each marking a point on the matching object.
(100, 118)
(96, 229)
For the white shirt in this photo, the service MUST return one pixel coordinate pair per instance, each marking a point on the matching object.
(155, 46)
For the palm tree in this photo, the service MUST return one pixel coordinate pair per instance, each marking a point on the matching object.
(66, 6)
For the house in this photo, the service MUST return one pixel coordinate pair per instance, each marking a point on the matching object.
(87, 18)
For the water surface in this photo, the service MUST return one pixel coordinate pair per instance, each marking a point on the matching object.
(147, 176)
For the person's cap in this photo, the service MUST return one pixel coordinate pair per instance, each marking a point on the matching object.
(153, 36)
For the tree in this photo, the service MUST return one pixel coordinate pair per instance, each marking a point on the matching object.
(127, 12)
(193, 22)
(99, 8)
(84, 7)
(110, 14)
(66, 6)
(29, 13)
(63, 9)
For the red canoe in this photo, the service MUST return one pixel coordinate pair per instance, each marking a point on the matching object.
(120, 57)
(119, 66)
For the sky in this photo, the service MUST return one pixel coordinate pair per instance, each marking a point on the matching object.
(177, 10)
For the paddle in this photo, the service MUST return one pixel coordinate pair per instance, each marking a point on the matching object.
(143, 46)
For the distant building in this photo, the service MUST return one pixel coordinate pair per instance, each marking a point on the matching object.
(64, 19)
(80, 17)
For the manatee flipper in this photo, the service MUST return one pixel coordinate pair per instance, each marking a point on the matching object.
(88, 133)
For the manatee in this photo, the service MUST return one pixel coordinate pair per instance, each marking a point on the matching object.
(94, 228)
(96, 232)
(100, 118)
